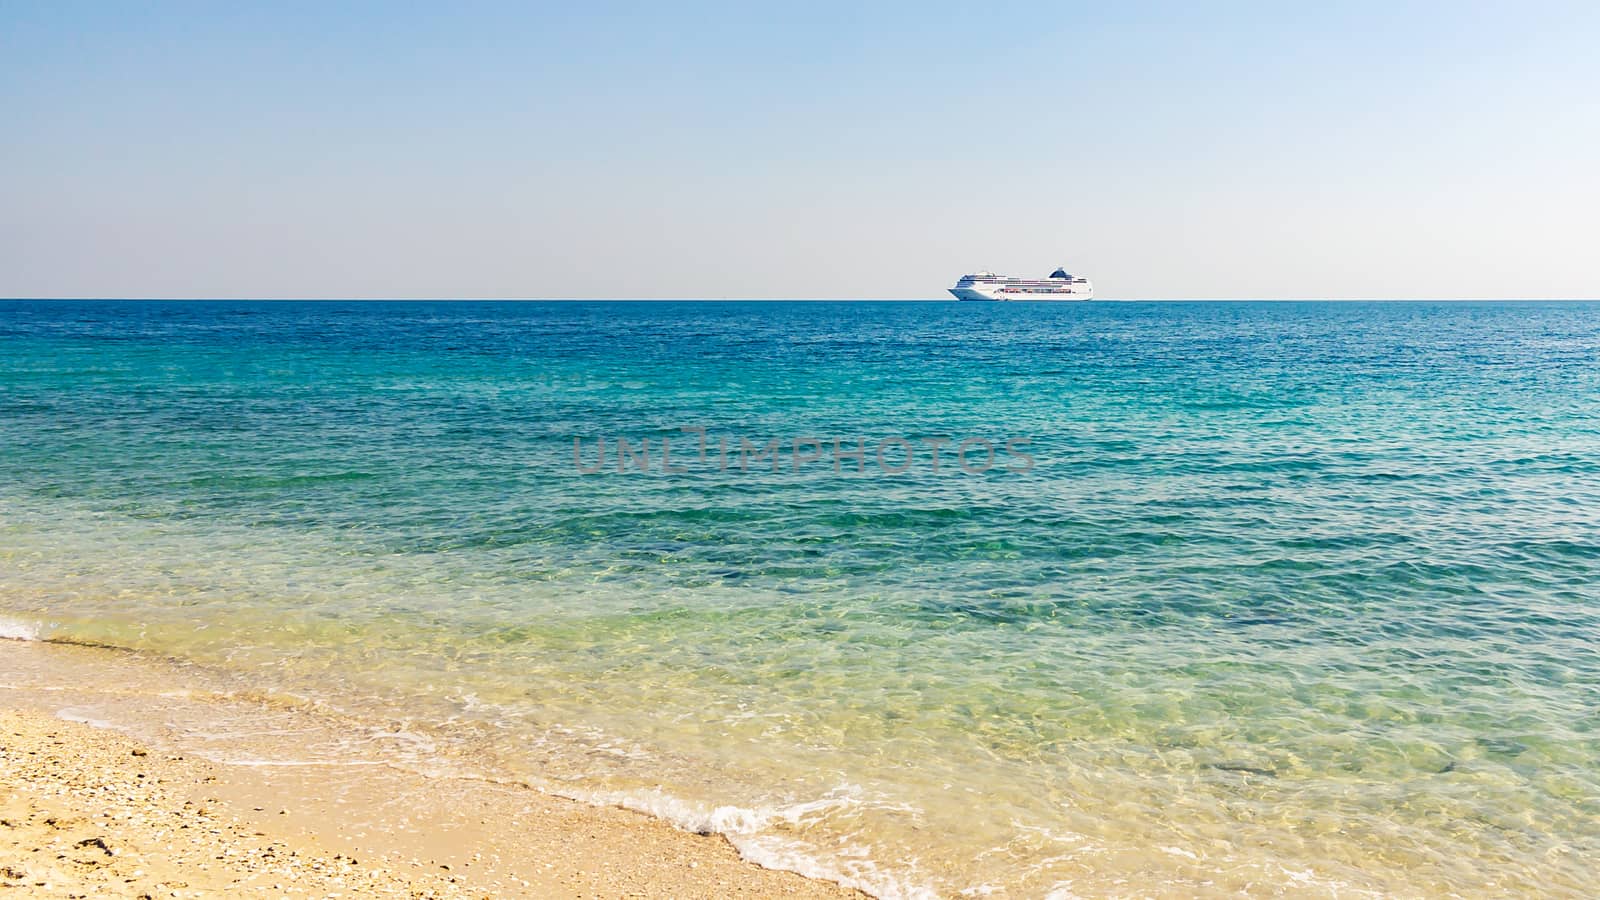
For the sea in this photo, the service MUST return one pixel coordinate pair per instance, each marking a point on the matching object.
(932, 599)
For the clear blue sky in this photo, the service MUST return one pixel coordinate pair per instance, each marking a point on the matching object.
(810, 150)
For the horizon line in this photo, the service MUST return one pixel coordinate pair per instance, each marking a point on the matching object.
(939, 300)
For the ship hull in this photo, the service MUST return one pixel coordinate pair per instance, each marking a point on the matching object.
(992, 295)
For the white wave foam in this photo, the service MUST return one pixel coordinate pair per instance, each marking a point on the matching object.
(772, 852)
(746, 828)
(12, 630)
(726, 820)
(72, 714)
(255, 762)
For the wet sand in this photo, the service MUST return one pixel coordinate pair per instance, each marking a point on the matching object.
(120, 807)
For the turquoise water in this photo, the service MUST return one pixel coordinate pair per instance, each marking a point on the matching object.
(1267, 597)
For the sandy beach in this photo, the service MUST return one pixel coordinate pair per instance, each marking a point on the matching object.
(95, 812)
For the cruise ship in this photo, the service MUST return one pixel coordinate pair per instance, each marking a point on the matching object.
(1061, 285)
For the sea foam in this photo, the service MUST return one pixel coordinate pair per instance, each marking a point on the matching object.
(11, 629)
(751, 832)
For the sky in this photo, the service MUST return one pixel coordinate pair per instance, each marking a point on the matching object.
(815, 150)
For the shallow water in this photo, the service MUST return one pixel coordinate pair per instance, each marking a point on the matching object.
(1283, 597)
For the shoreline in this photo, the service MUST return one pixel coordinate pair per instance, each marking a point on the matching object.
(106, 798)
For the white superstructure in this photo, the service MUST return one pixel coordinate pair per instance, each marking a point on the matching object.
(988, 286)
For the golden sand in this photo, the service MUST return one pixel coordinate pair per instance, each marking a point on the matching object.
(91, 812)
